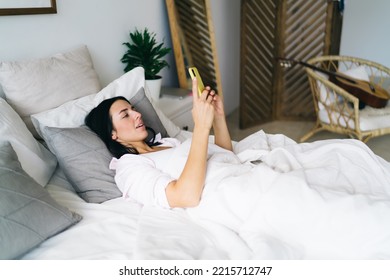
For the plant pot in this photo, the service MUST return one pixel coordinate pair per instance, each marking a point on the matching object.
(154, 87)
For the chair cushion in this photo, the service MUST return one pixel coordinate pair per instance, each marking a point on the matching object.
(369, 118)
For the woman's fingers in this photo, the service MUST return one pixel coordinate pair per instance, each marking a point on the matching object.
(195, 94)
(211, 94)
(206, 94)
(203, 110)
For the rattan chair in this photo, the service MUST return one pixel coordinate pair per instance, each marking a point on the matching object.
(337, 110)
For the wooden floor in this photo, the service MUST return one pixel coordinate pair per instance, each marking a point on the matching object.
(296, 129)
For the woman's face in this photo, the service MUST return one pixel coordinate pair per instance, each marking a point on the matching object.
(128, 126)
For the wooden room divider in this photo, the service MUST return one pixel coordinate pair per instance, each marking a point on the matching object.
(297, 29)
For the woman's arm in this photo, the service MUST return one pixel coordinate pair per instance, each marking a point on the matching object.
(221, 131)
(187, 189)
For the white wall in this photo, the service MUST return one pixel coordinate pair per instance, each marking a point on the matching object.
(226, 19)
(365, 31)
(103, 25)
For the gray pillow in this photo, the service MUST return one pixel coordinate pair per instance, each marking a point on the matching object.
(84, 159)
(142, 104)
(28, 214)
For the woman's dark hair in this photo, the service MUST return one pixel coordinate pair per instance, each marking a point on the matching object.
(100, 122)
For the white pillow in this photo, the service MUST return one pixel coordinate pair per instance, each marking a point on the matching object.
(73, 113)
(35, 159)
(38, 85)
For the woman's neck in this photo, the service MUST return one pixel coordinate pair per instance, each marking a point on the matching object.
(144, 148)
(140, 146)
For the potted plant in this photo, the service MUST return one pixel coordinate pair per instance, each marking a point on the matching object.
(143, 50)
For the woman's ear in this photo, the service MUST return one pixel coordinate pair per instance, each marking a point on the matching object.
(114, 136)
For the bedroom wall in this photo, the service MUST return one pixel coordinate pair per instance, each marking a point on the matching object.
(365, 30)
(103, 25)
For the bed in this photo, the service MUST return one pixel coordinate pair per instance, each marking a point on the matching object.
(272, 199)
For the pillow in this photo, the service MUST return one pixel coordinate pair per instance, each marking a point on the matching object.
(72, 113)
(84, 159)
(35, 159)
(172, 129)
(38, 85)
(28, 214)
(142, 104)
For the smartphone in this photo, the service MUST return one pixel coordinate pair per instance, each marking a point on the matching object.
(195, 74)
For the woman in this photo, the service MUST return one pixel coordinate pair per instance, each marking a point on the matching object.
(122, 129)
(271, 198)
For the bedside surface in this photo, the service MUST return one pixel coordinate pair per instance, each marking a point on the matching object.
(175, 92)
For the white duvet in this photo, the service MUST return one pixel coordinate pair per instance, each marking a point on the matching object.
(323, 200)
(272, 199)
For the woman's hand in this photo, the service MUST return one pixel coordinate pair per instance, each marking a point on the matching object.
(203, 107)
(221, 131)
(219, 111)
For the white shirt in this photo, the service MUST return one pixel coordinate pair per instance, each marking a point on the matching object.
(141, 178)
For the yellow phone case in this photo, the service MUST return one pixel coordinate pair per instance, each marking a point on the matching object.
(195, 74)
